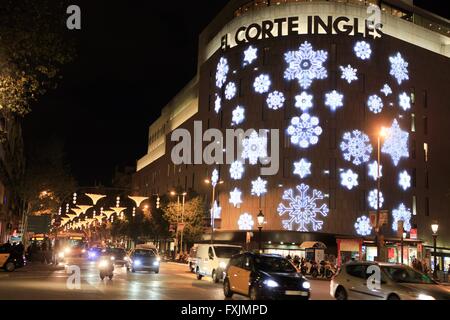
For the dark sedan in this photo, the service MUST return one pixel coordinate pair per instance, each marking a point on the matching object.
(118, 255)
(143, 259)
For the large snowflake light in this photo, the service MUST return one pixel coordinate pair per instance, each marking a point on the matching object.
(250, 55)
(236, 170)
(259, 187)
(217, 104)
(262, 83)
(404, 180)
(386, 90)
(356, 145)
(404, 101)
(302, 168)
(401, 214)
(333, 100)
(363, 226)
(349, 179)
(230, 90)
(235, 197)
(245, 222)
(373, 199)
(304, 130)
(304, 101)
(399, 68)
(221, 72)
(375, 104)
(238, 115)
(396, 142)
(362, 50)
(302, 209)
(275, 100)
(305, 65)
(349, 73)
(373, 167)
(254, 147)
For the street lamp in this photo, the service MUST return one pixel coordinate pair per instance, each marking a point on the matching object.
(260, 219)
(173, 193)
(434, 229)
(214, 181)
(381, 134)
(401, 246)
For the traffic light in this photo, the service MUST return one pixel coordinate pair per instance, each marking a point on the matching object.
(157, 202)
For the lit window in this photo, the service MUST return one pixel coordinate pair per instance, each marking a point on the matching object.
(414, 206)
(425, 150)
(413, 122)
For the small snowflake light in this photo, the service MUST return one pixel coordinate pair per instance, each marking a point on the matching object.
(230, 90)
(245, 222)
(235, 197)
(303, 209)
(304, 101)
(349, 73)
(386, 90)
(275, 100)
(262, 83)
(333, 100)
(375, 104)
(236, 170)
(404, 180)
(214, 177)
(302, 168)
(373, 167)
(396, 143)
(362, 50)
(349, 179)
(259, 187)
(217, 104)
(399, 68)
(404, 101)
(401, 214)
(305, 65)
(250, 55)
(304, 130)
(356, 145)
(238, 115)
(373, 199)
(254, 147)
(363, 226)
(222, 72)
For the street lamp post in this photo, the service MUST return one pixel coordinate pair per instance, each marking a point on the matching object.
(260, 219)
(214, 181)
(173, 193)
(381, 134)
(401, 246)
(434, 229)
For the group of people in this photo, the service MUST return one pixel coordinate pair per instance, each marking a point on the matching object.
(421, 266)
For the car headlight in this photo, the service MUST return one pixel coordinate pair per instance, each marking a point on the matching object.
(425, 297)
(158, 259)
(61, 255)
(270, 283)
(112, 258)
(137, 262)
(306, 285)
(83, 250)
(66, 250)
(125, 258)
(222, 265)
(156, 263)
(103, 264)
(92, 254)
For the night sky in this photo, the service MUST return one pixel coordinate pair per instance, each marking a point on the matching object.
(133, 57)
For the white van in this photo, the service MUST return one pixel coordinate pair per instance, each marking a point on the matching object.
(212, 259)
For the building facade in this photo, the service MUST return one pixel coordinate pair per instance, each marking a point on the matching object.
(317, 84)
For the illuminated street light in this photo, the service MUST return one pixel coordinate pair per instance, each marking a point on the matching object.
(434, 229)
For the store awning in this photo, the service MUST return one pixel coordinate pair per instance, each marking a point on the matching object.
(313, 245)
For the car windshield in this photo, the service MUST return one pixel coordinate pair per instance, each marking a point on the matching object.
(407, 275)
(118, 252)
(226, 252)
(274, 264)
(144, 253)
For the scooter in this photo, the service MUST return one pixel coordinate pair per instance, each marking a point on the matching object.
(106, 267)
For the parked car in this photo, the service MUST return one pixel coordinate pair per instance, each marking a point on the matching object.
(396, 282)
(212, 259)
(10, 260)
(192, 259)
(264, 276)
(143, 259)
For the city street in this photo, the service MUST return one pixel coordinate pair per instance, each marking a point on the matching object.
(173, 282)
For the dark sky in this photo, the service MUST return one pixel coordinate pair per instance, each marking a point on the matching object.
(133, 57)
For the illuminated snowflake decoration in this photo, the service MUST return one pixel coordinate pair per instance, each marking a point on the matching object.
(373, 199)
(304, 130)
(259, 187)
(399, 68)
(386, 90)
(363, 226)
(245, 222)
(262, 83)
(250, 55)
(404, 180)
(254, 147)
(238, 115)
(303, 209)
(275, 100)
(396, 143)
(333, 100)
(305, 65)
(373, 170)
(217, 104)
(375, 104)
(236, 170)
(235, 197)
(401, 214)
(230, 91)
(404, 101)
(222, 72)
(348, 73)
(216, 211)
(214, 177)
(356, 145)
(349, 179)
(302, 168)
(304, 101)
(362, 50)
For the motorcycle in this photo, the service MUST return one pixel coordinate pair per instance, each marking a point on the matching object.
(106, 267)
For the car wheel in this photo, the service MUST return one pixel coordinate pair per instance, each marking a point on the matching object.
(254, 294)
(102, 276)
(110, 277)
(132, 270)
(215, 277)
(10, 266)
(340, 294)
(227, 289)
(157, 271)
(393, 297)
(199, 276)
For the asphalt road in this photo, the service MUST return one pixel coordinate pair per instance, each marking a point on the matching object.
(174, 282)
